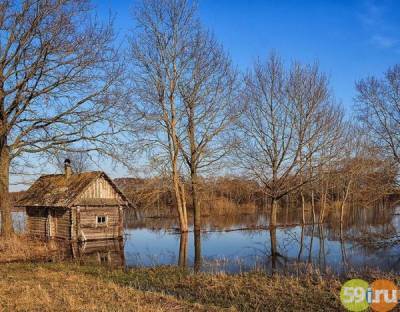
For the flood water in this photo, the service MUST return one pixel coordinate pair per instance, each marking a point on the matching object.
(369, 239)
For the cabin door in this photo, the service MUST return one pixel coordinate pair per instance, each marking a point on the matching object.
(51, 223)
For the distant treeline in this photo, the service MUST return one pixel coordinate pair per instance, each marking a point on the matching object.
(372, 180)
(220, 195)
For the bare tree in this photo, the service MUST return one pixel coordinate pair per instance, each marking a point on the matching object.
(183, 85)
(57, 71)
(319, 126)
(160, 54)
(208, 91)
(378, 108)
(288, 118)
(362, 175)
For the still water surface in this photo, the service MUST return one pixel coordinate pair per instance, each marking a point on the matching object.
(369, 239)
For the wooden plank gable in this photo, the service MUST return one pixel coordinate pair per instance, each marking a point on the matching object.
(100, 188)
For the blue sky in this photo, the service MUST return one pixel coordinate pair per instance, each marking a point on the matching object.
(349, 39)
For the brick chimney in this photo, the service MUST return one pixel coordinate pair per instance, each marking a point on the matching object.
(67, 168)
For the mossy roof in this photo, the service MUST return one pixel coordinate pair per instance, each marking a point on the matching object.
(56, 190)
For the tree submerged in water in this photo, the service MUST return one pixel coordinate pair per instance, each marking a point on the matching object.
(290, 126)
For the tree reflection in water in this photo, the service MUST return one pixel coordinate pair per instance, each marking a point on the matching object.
(367, 237)
(246, 242)
(183, 250)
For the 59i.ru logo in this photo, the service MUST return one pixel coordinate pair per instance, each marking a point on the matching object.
(358, 295)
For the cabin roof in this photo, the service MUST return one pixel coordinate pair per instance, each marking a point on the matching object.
(55, 190)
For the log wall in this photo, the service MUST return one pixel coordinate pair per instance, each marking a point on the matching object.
(90, 230)
(36, 221)
(62, 223)
(42, 221)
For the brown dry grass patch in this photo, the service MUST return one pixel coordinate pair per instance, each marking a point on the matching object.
(254, 291)
(36, 288)
(21, 247)
(69, 286)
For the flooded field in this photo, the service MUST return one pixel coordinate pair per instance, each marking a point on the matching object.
(369, 239)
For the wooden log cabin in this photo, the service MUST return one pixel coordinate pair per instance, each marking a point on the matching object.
(75, 206)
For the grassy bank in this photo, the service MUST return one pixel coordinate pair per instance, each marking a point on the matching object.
(28, 287)
(68, 286)
(245, 292)
(71, 287)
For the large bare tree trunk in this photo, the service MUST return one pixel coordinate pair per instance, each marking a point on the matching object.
(177, 189)
(174, 150)
(5, 205)
(193, 168)
(183, 250)
(183, 199)
(274, 208)
(195, 202)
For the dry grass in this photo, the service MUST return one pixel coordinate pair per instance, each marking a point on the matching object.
(39, 288)
(223, 206)
(245, 292)
(255, 291)
(70, 287)
(22, 248)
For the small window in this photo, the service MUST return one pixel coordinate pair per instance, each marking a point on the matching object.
(101, 220)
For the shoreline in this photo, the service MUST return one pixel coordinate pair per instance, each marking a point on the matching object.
(166, 288)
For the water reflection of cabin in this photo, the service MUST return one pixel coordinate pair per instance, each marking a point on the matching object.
(108, 252)
(77, 207)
